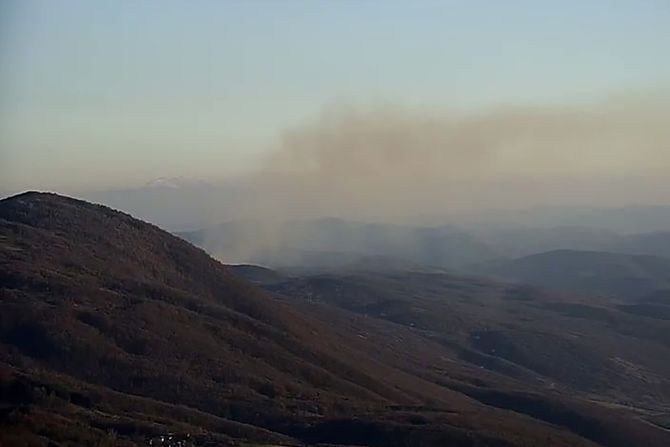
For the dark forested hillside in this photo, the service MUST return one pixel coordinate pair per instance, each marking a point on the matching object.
(114, 332)
(580, 344)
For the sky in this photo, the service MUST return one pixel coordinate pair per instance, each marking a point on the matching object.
(111, 94)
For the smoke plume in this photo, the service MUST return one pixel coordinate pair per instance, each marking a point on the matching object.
(390, 163)
(400, 165)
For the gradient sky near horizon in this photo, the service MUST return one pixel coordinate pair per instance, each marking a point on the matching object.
(97, 94)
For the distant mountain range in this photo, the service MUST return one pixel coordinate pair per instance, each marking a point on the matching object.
(325, 243)
(625, 219)
(624, 276)
(114, 332)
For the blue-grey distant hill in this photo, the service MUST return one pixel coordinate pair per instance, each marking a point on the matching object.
(624, 276)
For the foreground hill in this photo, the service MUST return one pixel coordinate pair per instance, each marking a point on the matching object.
(114, 332)
(625, 276)
(609, 350)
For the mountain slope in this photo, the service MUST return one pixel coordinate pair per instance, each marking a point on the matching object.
(629, 277)
(558, 344)
(113, 331)
(508, 328)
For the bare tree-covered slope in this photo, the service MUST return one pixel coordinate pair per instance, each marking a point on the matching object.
(114, 332)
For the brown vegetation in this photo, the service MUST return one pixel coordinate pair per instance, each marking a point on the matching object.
(113, 331)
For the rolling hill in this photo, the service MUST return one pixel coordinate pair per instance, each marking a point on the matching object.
(114, 332)
(506, 327)
(624, 276)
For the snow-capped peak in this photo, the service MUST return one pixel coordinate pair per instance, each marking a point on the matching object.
(172, 182)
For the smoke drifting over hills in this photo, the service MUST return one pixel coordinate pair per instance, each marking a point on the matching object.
(398, 165)
(394, 164)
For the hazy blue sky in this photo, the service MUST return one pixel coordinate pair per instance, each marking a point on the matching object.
(100, 93)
